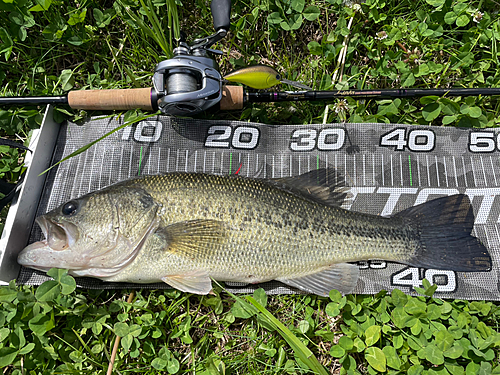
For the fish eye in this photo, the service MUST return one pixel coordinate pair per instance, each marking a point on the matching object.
(70, 208)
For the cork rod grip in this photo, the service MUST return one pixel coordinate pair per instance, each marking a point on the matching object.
(232, 98)
(111, 99)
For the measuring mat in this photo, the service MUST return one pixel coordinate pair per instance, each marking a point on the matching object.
(388, 167)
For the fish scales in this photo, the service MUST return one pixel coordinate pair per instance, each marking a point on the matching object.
(186, 228)
(272, 232)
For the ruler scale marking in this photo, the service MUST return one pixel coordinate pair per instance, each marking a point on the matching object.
(437, 170)
(274, 166)
(498, 233)
(130, 161)
(455, 171)
(392, 173)
(92, 169)
(354, 169)
(465, 172)
(281, 166)
(80, 189)
(473, 171)
(168, 159)
(149, 163)
(493, 170)
(364, 171)
(484, 173)
(401, 169)
(428, 172)
(418, 171)
(445, 171)
(487, 237)
(112, 158)
(100, 170)
(382, 166)
(336, 167)
(177, 161)
(345, 165)
(373, 169)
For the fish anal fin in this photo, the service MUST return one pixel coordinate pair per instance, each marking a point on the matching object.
(326, 186)
(197, 282)
(194, 237)
(340, 276)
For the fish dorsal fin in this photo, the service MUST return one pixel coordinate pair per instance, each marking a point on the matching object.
(340, 276)
(326, 186)
(194, 237)
(197, 282)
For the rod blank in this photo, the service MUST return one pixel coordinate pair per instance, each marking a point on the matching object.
(32, 100)
(284, 96)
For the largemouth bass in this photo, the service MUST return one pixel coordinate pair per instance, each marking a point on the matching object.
(185, 229)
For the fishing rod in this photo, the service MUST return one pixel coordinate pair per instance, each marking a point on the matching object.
(234, 97)
(190, 83)
(262, 76)
(242, 96)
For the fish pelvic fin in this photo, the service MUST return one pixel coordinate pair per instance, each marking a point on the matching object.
(194, 238)
(326, 186)
(340, 276)
(197, 282)
(444, 226)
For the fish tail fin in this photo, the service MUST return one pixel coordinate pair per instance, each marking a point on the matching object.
(445, 226)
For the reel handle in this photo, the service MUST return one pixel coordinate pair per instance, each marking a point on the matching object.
(144, 98)
(116, 99)
(221, 12)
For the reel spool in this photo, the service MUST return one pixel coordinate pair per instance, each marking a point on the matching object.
(190, 82)
(187, 85)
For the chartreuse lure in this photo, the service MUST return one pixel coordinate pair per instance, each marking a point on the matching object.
(261, 77)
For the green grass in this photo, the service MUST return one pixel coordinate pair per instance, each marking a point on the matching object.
(57, 329)
(55, 46)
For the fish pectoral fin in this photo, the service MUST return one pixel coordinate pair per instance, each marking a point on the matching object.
(340, 276)
(193, 238)
(197, 282)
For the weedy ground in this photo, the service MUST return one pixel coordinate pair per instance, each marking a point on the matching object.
(48, 47)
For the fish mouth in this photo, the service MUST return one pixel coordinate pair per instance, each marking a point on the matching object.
(59, 236)
(26, 259)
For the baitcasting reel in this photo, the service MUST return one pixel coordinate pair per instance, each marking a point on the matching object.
(190, 82)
